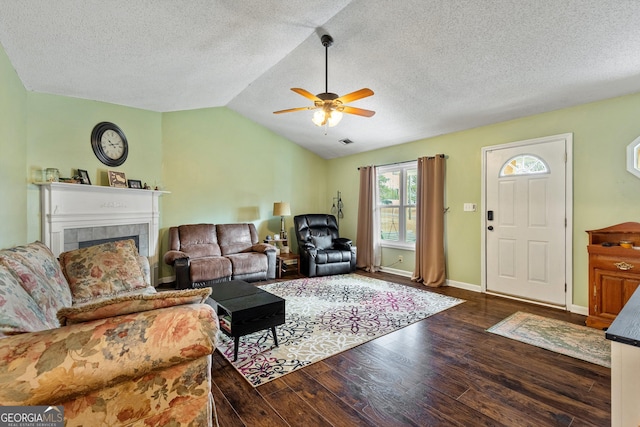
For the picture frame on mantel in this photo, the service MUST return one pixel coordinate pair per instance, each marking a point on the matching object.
(84, 177)
(135, 183)
(117, 179)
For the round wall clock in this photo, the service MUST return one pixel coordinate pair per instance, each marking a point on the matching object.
(109, 144)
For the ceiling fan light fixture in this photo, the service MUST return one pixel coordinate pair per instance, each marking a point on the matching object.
(330, 105)
(329, 118)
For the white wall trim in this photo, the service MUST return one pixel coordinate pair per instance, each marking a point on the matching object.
(451, 283)
(578, 309)
(462, 285)
(166, 279)
(397, 272)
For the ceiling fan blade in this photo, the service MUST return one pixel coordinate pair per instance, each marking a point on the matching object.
(354, 96)
(305, 93)
(358, 111)
(291, 110)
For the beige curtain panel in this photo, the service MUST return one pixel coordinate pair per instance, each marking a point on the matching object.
(368, 234)
(430, 262)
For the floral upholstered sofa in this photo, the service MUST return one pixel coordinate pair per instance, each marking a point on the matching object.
(90, 334)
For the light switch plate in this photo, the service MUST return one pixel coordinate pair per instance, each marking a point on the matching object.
(469, 207)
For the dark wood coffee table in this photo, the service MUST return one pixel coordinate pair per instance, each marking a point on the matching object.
(244, 308)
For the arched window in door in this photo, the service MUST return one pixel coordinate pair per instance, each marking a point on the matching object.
(524, 164)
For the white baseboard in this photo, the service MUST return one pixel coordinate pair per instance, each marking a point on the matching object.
(578, 309)
(397, 272)
(452, 283)
(167, 279)
(463, 285)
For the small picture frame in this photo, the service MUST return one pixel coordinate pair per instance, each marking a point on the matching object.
(135, 183)
(117, 179)
(84, 177)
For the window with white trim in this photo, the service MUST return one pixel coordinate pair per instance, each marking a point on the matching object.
(524, 164)
(397, 196)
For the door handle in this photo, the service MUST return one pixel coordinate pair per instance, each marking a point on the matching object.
(490, 228)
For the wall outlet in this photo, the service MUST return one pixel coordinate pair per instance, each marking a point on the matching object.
(400, 259)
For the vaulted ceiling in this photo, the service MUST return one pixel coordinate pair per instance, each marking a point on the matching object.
(436, 66)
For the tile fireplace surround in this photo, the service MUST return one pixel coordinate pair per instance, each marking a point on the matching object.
(75, 213)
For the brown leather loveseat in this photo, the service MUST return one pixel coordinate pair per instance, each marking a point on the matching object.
(204, 254)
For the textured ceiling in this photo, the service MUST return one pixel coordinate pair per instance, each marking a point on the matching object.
(436, 66)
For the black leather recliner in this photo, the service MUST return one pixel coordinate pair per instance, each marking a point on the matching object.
(322, 251)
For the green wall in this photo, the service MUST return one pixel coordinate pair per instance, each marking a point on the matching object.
(223, 168)
(217, 166)
(58, 136)
(220, 167)
(604, 192)
(13, 156)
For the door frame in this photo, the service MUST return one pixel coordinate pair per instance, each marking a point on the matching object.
(568, 204)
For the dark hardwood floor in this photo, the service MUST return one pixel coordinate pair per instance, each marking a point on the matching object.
(444, 370)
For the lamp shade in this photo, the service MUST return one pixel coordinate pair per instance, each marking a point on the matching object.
(281, 209)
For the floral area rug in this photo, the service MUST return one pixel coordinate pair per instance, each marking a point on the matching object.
(580, 342)
(328, 315)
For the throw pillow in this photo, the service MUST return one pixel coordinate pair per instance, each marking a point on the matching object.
(40, 275)
(127, 304)
(18, 311)
(106, 269)
(322, 242)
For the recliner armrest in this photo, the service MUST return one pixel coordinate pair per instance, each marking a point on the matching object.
(342, 243)
(308, 246)
(263, 248)
(171, 256)
(183, 278)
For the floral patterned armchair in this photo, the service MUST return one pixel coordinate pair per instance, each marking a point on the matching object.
(97, 339)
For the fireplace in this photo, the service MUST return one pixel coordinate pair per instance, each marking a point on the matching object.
(76, 215)
(75, 238)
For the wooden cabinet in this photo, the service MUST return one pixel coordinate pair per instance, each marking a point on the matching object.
(614, 271)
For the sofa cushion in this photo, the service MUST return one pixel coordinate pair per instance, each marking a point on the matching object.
(18, 311)
(209, 268)
(247, 263)
(40, 275)
(236, 238)
(100, 270)
(198, 240)
(135, 303)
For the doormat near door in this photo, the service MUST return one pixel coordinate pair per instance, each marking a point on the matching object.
(328, 315)
(580, 342)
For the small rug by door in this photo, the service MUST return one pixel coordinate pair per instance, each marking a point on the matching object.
(580, 342)
(328, 315)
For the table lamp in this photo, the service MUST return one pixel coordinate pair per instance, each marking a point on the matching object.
(282, 209)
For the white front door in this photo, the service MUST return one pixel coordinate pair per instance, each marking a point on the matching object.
(525, 220)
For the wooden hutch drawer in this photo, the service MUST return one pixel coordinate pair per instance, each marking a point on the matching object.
(616, 262)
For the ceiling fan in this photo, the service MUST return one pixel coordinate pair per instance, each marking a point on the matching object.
(330, 106)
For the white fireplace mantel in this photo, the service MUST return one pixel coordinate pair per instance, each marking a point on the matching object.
(77, 206)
